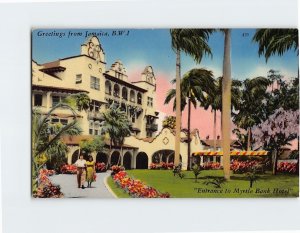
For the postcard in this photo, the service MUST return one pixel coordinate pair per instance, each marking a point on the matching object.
(165, 113)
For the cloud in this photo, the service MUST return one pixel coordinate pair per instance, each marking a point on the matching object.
(263, 71)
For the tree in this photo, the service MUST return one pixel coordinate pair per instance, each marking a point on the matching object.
(226, 103)
(214, 101)
(277, 131)
(169, 122)
(193, 42)
(56, 155)
(276, 41)
(81, 100)
(251, 107)
(96, 144)
(117, 125)
(45, 135)
(195, 85)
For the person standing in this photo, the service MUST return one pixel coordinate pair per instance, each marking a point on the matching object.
(81, 171)
(90, 171)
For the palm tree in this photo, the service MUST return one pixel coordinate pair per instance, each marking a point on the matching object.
(226, 103)
(276, 41)
(81, 100)
(195, 85)
(214, 100)
(45, 135)
(251, 106)
(117, 125)
(194, 43)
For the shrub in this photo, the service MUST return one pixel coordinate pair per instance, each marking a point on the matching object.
(68, 169)
(116, 169)
(100, 167)
(211, 166)
(287, 167)
(45, 188)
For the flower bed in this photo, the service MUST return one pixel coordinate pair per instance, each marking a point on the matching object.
(100, 167)
(243, 166)
(68, 169)
(136, 188)
(115, 169)
(211, 166)
(287, 167)
(161, 166)
(45, 188)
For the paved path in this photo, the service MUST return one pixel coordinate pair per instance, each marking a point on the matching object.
(69, 188)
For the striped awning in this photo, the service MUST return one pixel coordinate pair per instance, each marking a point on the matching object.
(232, 153)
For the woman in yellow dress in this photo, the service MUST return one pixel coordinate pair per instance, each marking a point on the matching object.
(90, 171)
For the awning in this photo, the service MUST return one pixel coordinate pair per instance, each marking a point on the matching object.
(232, 153)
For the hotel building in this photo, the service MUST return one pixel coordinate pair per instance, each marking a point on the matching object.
(88, 73)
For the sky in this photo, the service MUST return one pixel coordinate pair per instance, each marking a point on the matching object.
(138, 48)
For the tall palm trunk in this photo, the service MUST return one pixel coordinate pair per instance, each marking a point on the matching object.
(178, 109)
(249, 139)
(189, 135)
(226, 104)
(215, 130)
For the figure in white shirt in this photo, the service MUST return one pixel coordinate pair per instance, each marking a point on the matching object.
(81, 171)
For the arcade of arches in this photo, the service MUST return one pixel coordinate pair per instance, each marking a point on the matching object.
(140, 153)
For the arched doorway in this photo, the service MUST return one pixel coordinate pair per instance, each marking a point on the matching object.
(115, 158)
(166, 156)
(142, 160)
(127, 160)
(75, 156)
(101, 158)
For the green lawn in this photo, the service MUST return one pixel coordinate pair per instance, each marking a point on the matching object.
(281, 185)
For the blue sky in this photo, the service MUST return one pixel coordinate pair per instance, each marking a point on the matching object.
(153, 47)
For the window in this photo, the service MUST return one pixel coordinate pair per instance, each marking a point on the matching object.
(95, 83)
(150, 102)
(95, 106)
(64, 121)
(132, 96)
(148, 134)
(38, 100)
(55, 100)
(116, 91)
(139, 98)
(107, 87)
(78, 78)
(96, 132)
(91, 131)
(133, 119)
(124, 93)
(54, 120)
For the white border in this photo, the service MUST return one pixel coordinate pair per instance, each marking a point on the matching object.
(22, 214)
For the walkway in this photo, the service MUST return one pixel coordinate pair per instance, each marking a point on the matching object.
(69, 188)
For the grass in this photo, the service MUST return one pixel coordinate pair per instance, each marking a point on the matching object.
(268, 185)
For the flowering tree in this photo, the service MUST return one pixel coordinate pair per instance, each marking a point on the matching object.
(277, 131)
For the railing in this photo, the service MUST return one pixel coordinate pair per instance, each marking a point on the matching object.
(152, 127)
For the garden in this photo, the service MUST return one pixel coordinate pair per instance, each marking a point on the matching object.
(207, 181)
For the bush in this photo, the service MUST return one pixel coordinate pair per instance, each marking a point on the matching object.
(100, 167)
(68, 169)
(116, 169)
(45, 188)
(211, 166)
(287, 167)
(161, 166)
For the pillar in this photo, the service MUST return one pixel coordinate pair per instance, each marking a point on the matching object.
(48, 100)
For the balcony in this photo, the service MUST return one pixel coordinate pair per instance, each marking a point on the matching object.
(152, 127)
(95, 116)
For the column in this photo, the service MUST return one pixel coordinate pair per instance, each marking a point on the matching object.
(48, 100)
